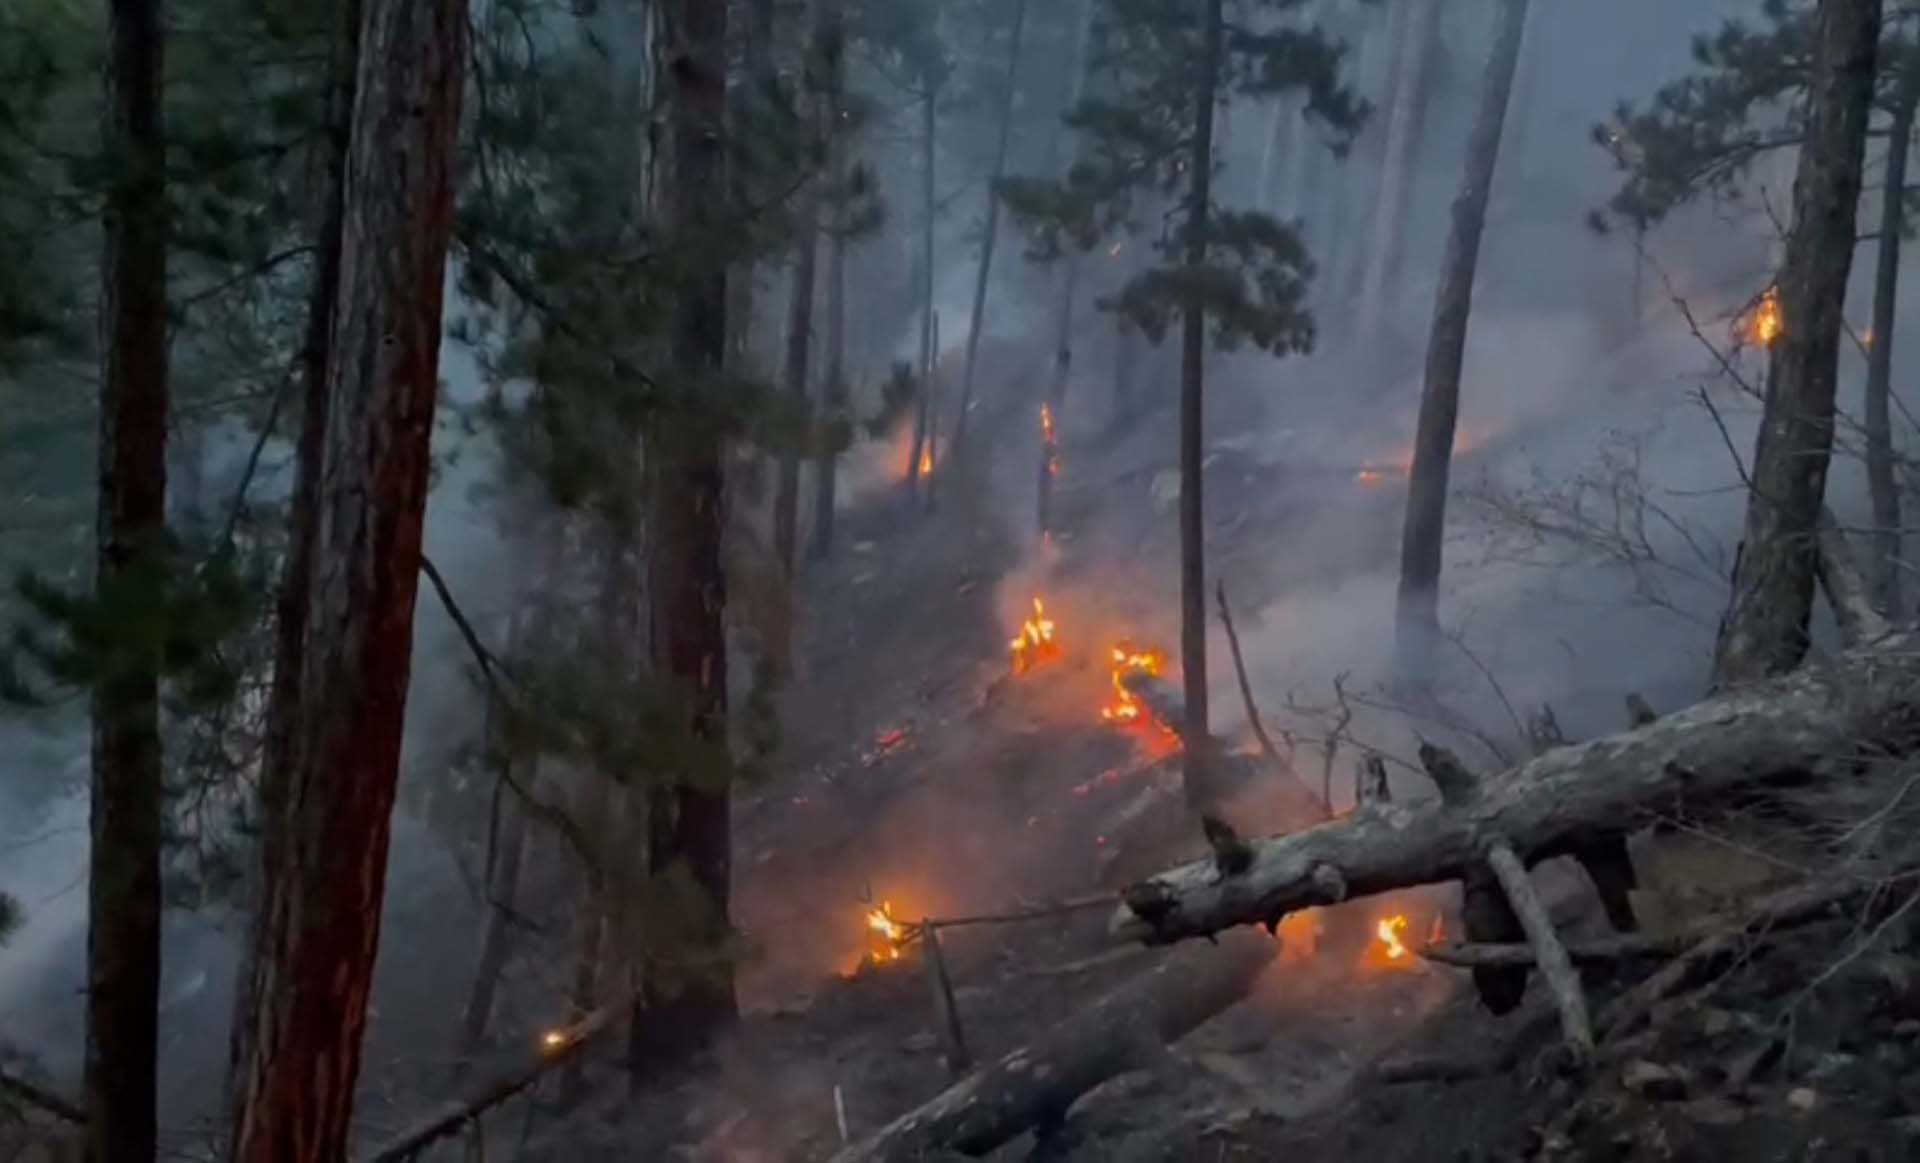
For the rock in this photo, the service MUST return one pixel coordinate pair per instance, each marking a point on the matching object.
(1802, 1099)
(1714, 1022)
(1753, 1064)
(1714, 1111)
(1652, 1081)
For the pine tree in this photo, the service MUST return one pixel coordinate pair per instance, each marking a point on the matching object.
(1765, 630)
(1160, 73)
(313, 952)
(1702, 137)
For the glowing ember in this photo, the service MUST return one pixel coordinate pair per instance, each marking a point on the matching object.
(1370, 476)
(1036, 643)
(1127, 661)
(1437, 933)
(1046, 423)
(1389, 930)
(553, 1039)
(1766, 325)
(889, 935)
(926, 461)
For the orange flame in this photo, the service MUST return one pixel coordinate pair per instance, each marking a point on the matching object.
(1046, 423)
(926, 461)
(1126, 660)
(1389, 930)
(1766, 324)
(1036, 643)
(890, 934)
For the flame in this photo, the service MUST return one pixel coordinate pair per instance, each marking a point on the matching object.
(1389, 930)
(926, 461)
(1046, 423)
(1036, 643)
(1370, 476)
(1766, 325)
(890, 934)
(1126, 660)
(553, 1039)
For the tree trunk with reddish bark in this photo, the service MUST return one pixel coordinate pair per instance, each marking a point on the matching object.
(1765, 629)
(1418, 621)
(127, 804)
(689, 824)
(311, 966)
(290, 610)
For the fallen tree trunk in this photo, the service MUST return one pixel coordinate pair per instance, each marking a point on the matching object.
(555, 1047)
(1785, 909)
(1829, 719)
(1036, 1084)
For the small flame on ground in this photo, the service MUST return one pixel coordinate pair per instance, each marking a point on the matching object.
(1370, 476)
(1389, 930)
(890, 934)
(1036, 643)
(553, 1039)
(926, 462)
(1766, 325)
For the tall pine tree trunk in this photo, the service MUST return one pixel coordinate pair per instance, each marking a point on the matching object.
(296, 571)
(835, 393)
(751, 122)
(689, 822)
(1069, 287)
(123, 888)
(1418, 621)
(786, 503)
(1882, 489)
(1404, 123)
(923, 413)
(1193, 553)
(312, 968)
(806, 246)
(1765, 629)
(992, 228)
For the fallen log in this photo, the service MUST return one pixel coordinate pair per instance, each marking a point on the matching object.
(1785, 909)
(1834, 718)
(1034, 1085)
(555, 1047)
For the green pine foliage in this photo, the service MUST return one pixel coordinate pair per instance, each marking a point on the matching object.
(1133, 136)
(1700, 136)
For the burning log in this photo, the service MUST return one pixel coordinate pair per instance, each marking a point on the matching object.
(1153, 696)
(1035, 1084)
(1036, 643)
(1830, 719)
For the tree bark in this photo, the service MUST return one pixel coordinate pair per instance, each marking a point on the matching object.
(1420, 29)
(1883, 491)
(923, 414)
(312, 969)
(130, 537)
(835, 388)
(1821, 722)
(751, 119)
(1418, 620)
(1069, 287)
(502, 890)
(1035, 1084)
(1193, 567)
(992, 227)
(786, 508)
(1765, 630)
(296, 571)
(689, 822)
